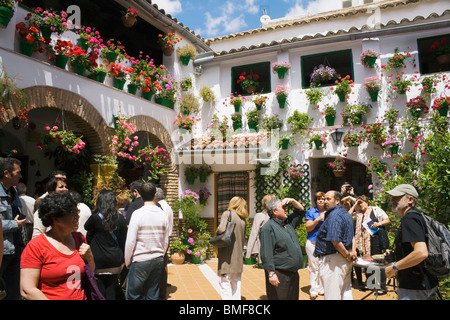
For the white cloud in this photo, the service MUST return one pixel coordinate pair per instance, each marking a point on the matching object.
(171, 7)
(313, 7)
(225, 22)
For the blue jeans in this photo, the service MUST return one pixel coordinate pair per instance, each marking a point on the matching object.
(408, 294)
(144, 279)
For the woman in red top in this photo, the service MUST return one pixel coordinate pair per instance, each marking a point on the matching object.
(52, 266)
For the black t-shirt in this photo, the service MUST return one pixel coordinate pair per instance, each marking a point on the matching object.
(412, 229)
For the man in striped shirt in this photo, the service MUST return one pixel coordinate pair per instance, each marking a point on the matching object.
(146, 244)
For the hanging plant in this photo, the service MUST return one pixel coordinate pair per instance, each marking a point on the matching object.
(153, 160)
(318, 139)
(66, 138)
(299, 122)
(343, 87)
(368, 58)
(314, 95)
(353, 113)
(323, 75)
(397, 61)
(129, 18)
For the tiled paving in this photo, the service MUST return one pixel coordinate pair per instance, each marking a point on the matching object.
(199, 282)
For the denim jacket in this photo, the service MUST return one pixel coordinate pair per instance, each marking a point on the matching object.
(9, 225)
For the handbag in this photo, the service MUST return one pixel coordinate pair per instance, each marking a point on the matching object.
(90, 284)
(224, 239)
(383, 235)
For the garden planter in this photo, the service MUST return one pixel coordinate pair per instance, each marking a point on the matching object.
(80, 70)
(373, 95)
(168, 50)
(82, 43)
(46, 32)
(253, 127)
(165, 102)
(282, 102)
(330, 120)
(147, 95)
(371, 62)
(284, 144)
(185, 60)
(443, 59)
(128, 21)
(26, 48)
(100, 76)
(61, 61)
(237, 107)
(194, 259)
(132, 88)
(119, 83)
(259, 106)
(281, 73)
(341, 97)
(394, 149)
(177, 258)
(338, 173)
(5, 16)
(318, 144)
(190, 180)
(111, 56)
(251, 90)
(443, 112)
(202, 177)
(237, 126)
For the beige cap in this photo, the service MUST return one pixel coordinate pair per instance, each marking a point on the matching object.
(403, 189)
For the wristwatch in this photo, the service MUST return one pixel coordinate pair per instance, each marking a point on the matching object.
(271, 274)
(394, 266)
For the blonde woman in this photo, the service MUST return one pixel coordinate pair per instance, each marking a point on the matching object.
(230, 264)
(253, 244)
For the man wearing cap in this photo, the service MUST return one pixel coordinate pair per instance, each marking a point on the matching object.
(410, 248)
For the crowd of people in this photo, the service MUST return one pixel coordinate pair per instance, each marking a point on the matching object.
(46, 243)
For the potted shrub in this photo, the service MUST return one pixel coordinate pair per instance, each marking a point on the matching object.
(177, 250)
(314, 95)
(207, 94)
(186, 53)
(375, 132)
(248, 82)
(281, 68)
(369, 57)
(397, 61)
(400, 85)
(252, 119)
(372, 86)
(184, 122)
(343, 87)
(441, 51)
(323, 75)
(281, 93)
(168, 42)
(284, 141)
(337, 166)
(203, 172)
(237, 121)
(237, 101)
(189, 104)
(353, 113)
(299, 122)
(319, 139)
(259, 101)
(416, 106)
(271, 122)
(191, 173)
(441, 105)
(330, 115)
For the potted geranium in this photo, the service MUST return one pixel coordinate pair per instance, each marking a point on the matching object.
(353, 113)
(198, 254)
(397, 61)
(330, 115)
(79, 60)
(6, 12)
(153, 160)
(319, 139)
(372, 86)
(184, 122)
(177, 250)
(284, 141)
(167, 42)
(352, 139)
(237, 101)
(203, 172)
(375, 165)
(280, 68)
(253, 119)
(186, 52)
(237, 121)
(191, 173)
(441, 51)
(119, 73)
(259, 101)
(60, 53)
(189, 104)
(400, 85)
(66, 138)
(337, 166)
(167, 88)
(368, 58)
(30, 38)
(295, 172)
(299, 122)
(204, 194)
(218, 127)
(113, 50)
(129, 18)
(49, 21)
(323, 75)
(343, 87)
(416, 106)
(248, 82)
(281, 93)
(391, 141)
(441, 105)
(314, 95)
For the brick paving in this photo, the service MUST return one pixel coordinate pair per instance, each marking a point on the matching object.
(199, 282)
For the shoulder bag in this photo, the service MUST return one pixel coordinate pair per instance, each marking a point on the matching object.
(224, 239)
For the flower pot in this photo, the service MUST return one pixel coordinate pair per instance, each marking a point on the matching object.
(251, 90)
(358, 119)
(338, 173)
(415, 113)
(318, 144)
(202, 177)
(190, 180)
(61, 61)
(185, 59)
(253, 127)
(147, 95)
(282, 102)
(132, 88)
(26, 48)
(46, 32)
(443, 59)
(330, 120)
(168, 50)
(82, 43)
(371, 62)
(111, 56)
(177, 258)
(119, 83)
(443, 112)
(5, 16)
(237, 107)
(341, 97)
(194, 259)
(237, 126)
(259, 106)
(394, 149)
(80, 70)
(165, 102)
(100, 76)
(250, 261)
(128, 21)
(285, 144)
(374, 95)
(281, 73)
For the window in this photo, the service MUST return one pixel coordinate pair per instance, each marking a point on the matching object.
(341, 61)
(260, 70)
(430, 61)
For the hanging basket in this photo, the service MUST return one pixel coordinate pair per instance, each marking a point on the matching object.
(251, 90)
(168, 50)
(330, 120)
(338, 173)
(443, 59)
(128, 21)
(185, 59)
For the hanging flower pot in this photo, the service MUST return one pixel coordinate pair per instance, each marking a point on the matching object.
(80, 70)
(415, 113)
(394, 149)
(190, 180)
(168, 50)
(202, 177)
(61, 61)
(132, 88)
(443, 59)
(111, 56)
(147, 95)
(237, 107)
(128, 21)
(253, 127)
(330, 120)
(443, 111)
(285, 144)
(338, 173)
(251, 90)
(119, 83)
(165, 102)
(185, 59)
(341, 97)
(82, 43)
(281, 73)
(318, 144)
(5, 16)
(100, 76)
(282, 102)
(237, 126)
(373, 95)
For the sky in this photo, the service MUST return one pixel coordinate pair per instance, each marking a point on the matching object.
(214, 18)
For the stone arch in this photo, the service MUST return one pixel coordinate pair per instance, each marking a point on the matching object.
(78, 109)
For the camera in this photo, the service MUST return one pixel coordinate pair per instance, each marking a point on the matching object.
(348, 188)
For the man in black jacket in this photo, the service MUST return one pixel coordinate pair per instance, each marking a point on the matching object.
(137, 202)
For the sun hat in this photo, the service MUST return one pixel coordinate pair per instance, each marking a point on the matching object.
(403, 189)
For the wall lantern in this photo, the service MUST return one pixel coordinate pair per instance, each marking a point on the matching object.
(337, 136)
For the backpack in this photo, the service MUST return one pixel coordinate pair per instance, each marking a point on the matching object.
(438, 243)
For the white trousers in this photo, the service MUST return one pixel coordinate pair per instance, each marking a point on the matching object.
(230, 286)
(335, 273)
(313, 267)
